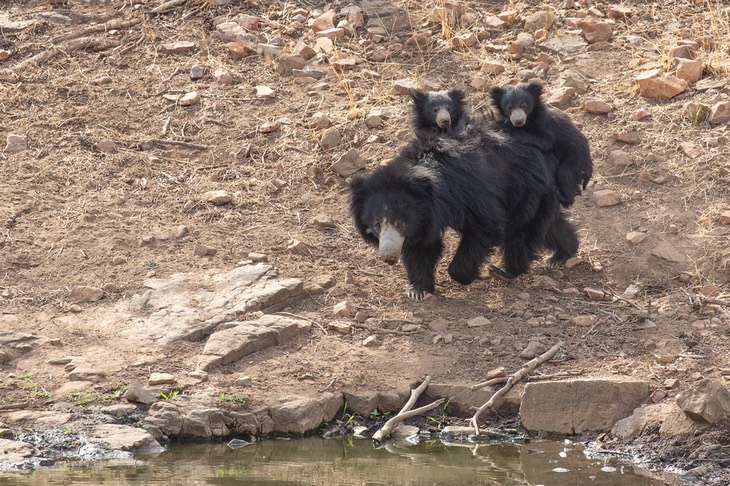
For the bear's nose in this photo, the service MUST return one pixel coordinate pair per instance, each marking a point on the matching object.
(390, 260)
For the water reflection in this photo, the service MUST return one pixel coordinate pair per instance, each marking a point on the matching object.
(315, 461)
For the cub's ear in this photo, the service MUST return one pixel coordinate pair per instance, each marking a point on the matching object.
(534, 87)
(357, 185)
(497, 94)
(457, 96)
(418, 97)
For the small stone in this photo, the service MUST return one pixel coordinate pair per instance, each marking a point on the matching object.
(403, 87)
(689, 70)
(343, 309)
(304, 50)
(340, 326)
(323, 221)
(243, 381)
(161, 379)
(635, 237)
(222, 76)
(264, 92)
(16, 143)
(620, 157)
(83, 293)
(218, 198)
(248, 22)
(370, 341)
(241, 48)
(373, 122)
(561, 96)
(493, 67)
(297, 246)
(439, 325)
(598, 294)
(479, 83)
(725, 217)
(319, 120)
(324, 21)
(268, 52)
(179, 47)
(270, 126)
(203, 250)
(597, 106)
(658, 395)
(719, 113)
(106, 146)
(533, 349)
(572, 262)
(641, 114)
(539, 20)
(4, 54)
(330, 138)
(257, 257)
(595, 30)
(138, 394)
(571, 292)
(654, 84)
(606, 197)
(198, 72)
(349, 163)
(631, 138)
(288, 63)
(109, 288)
(466, 39)
(584, 320)
(478, 321)
(189, 99)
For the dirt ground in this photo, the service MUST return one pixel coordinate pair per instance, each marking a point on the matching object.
(77, 212)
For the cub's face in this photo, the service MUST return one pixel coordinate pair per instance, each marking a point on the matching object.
(441, 110)
(517, 103)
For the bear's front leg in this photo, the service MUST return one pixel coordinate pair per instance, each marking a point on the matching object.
(420, 261)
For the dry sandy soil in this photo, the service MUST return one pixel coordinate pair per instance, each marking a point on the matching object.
(77, 212)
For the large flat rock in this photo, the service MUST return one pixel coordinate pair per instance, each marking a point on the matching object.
(240, 339)
(189, 306)
(125, 438)
(583, 405)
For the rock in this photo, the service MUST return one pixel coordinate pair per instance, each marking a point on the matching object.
(189, 99)
(204, 423)
(467, 39)
(302, 415)
(297, 246)
(198, 72)
(606, 197)
(288, 63)
(595, 30)
(230, 31)
(597, 294)
(403, 87)
(330, 138)
(248, 22)
(203, 250)
(584, 320)
(689, 70)
(87, 374)
(349, 163)
(119, 409)
(560, 97)
(719, 113)
(641, 114)
(725, 217)
(581, 405)
(161, 379)
(319, 120)
(539, 20)
(463, 400)
(667, 252)
(362, 403)
(179, 47)
(138, 394)
(270, 126)
(708, 401)
(106, 146)
(333, 33)
(597, 106)
(125, 438)
(324, 21)
(166, 418)
(218, 198)
(373, 122)
(633, 425)
(264, 92)
(302, 49)
(478, 321)
(370, 341)
(635, 237)
(241, 48)
(222, 76)
(533, 349)
(654, 84)
(343, 309)
(621, 157)
(439, 325)
(242, 338)
(13, 452)
(619, 12)
(83, 293)
(631, 138)
(15, 143)
(5, 55)
(268, 51)
(493, 67)
(565, 44)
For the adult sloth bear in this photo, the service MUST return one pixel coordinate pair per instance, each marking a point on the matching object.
(525, 119)
(491, 191)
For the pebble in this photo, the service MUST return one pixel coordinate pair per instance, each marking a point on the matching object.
(370, 341)
(330, 138)
(16, 143)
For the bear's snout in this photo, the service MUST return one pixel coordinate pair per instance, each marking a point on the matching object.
(518, 118)
(390, 244)
(443, 118)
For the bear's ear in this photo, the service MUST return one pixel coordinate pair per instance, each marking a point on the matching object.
(457, 96)
(357, 184)
(418, 97)
(534, 87)
(497, 93)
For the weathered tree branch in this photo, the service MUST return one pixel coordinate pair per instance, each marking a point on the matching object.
(406, 411)
(526, 369)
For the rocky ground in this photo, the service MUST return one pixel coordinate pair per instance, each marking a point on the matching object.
(177, 253)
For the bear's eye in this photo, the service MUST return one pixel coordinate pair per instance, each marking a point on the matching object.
(509, 107)
(376, 229)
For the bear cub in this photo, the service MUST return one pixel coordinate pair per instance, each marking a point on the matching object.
(438, 113)
(526, 119)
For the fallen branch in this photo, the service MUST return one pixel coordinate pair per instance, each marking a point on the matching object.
(106, 27)
(82, 43)
(493, 381)
(526, 369)
(14, 406)
(177, 142)
(406, 411)
(167, 6)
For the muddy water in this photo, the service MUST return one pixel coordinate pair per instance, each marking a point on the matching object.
(317, 461)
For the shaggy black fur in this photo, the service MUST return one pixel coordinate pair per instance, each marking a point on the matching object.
(526, 120)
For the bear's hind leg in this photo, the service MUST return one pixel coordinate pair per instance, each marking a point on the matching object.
(562, 238)
(420, 262)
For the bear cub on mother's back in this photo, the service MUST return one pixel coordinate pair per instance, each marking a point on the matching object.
(525, 119)
(438, 112)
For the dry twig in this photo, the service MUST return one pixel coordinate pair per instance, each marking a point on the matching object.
(526, 369)
(406, 411)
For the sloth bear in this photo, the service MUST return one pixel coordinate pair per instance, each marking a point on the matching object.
(438, 113)
(492, 191)
(525, 119)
